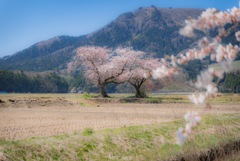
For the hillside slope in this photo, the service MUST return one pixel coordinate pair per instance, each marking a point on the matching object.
(151, 29)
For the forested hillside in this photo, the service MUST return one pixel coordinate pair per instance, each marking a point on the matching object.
(19, 82)
(230, 83)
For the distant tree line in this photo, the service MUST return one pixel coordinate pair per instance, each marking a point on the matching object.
(19, 82)
(230, 83)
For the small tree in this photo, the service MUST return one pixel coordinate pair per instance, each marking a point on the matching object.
(141, 75)
(139, 71)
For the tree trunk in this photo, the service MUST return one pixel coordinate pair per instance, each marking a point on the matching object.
(138, 93)
(103, 91)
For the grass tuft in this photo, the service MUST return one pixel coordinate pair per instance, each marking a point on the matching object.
(87, 95)
(88, 132)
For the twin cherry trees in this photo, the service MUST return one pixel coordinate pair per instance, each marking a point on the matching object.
(104, 66)
(125, 65)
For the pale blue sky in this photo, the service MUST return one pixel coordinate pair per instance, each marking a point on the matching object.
(26, 22)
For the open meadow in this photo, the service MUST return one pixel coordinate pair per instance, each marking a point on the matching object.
(82, 127)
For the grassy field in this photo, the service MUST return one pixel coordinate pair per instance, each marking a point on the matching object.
(155, 142)
(166, 98)
(235, 66)
(84, 127)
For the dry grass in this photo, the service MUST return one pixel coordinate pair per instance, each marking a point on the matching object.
(69, 127)
(48, 115)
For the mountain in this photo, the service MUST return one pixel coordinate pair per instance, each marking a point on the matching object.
(45, 55)
(154, 30)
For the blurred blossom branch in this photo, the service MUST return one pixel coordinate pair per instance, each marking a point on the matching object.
(213, 48)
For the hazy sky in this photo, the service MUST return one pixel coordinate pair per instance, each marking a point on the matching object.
(26, 22)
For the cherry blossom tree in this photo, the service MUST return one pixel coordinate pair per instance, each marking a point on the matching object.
(142, 73)
(104, 66)
(139, 74)
(98, 68)
(212, 47)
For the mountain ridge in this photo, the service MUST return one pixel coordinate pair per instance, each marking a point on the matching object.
(150, 29)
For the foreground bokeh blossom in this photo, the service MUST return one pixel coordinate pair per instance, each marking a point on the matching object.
(222, 54)
(210, 47)
(192, 119)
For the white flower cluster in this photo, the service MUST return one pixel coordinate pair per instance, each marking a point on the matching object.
(197, 99)
(223, 55)
(211, 18)
(237, 34)
(227, 53)
(160, 72)
(192, 118)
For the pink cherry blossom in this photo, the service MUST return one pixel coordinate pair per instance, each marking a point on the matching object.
(237, 34)
(198, 99)
(140, 71)
(193, 118)
(212, 47)
(181, 136)
(103, 66)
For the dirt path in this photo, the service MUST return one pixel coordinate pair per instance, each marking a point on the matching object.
(53, 119)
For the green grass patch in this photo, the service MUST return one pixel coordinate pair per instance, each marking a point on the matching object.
(153, 100)
(61, 137)
(226, 98)
(235, 66)
(87, 132)
(87, 95)
(166, 98)
(82, 104)
(128, 98)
